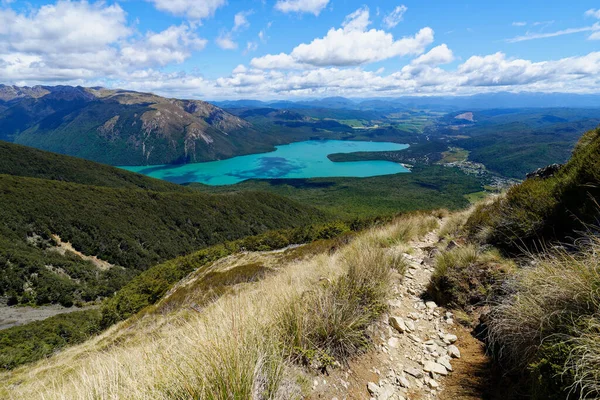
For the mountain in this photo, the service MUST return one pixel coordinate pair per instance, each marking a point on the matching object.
(120, 127)
(73, 230)
(441, 103)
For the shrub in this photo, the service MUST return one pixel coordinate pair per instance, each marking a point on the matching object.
(466, 276)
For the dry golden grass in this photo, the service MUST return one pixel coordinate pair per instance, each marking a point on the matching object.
(240, 345)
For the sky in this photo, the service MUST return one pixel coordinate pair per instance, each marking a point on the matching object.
(291, 49)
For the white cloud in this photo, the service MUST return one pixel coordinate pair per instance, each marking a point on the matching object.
(65, 26)
(301, 6)
(395, 17)
(518, 23)
(593, 13)
(226, 42)
(250, 47)
(240, 20)
(438, 55)
(192, 9)
(78, 40)
(570, 31)
(174, 44)
(349, 46)
(594, 36)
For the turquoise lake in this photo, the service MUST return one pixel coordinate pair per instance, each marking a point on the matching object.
(296, 160)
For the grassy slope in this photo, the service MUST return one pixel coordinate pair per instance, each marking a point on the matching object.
(175, 353)
(543, 210)
(424, 188)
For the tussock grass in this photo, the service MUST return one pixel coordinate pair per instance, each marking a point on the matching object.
(404, 229)
(245, 344)
(466, 276)
(549, 321)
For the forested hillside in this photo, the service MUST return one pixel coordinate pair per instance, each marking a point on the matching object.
(119, 221)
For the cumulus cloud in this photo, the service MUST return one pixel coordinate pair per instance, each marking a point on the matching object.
(63, 27)
(438, 55)
(192, 9)
(395, 17)
(174, 44)
(78, 40)
(350, 45)
(301, 6)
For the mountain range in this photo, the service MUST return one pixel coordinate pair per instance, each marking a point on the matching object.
(122, 127)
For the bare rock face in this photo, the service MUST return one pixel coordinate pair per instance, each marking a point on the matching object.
(545, 172)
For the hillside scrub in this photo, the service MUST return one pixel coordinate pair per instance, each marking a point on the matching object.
(548, 323)
(31, 342)
(467, 276)
(540, 211)
(235, 347)
(130, 228)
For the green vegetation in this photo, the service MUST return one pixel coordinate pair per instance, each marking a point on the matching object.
(548, 324)
(36, 340)
(25, 161)
(467, 276)
(426, 187)
(515, 142)
(130, 228)
(24, 344)
(423, 153)
(543, 324)
(544, 210)
(454, 154)
(330, 323)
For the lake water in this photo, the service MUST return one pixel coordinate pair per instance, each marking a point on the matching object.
(296, 160)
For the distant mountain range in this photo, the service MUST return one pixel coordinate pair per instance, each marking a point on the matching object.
(479, 101)
(122, 127)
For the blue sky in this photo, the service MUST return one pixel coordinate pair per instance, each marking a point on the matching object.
(303, 48)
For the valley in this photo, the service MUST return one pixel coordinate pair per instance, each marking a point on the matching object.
(386, 209)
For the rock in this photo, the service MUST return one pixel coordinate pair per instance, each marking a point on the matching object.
(413, 316)
(403, 382)
(410, 326)
(386, 392)
(431, 348)
(373, 388)
(414, 338)
(445, 361)
(393, 342)
(450, 338)
(398, 324)
(415, 373)
(431, 305)
(545, 172)
(433, 384)
(453, 351)
(435, 368)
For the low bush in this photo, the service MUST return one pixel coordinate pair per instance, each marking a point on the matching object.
(466, 276)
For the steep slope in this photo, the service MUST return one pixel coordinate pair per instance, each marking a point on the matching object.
(18, 160)
(550, 206)
(122, 127)
(73, 230)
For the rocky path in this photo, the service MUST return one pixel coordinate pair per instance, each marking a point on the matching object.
(416, 343)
